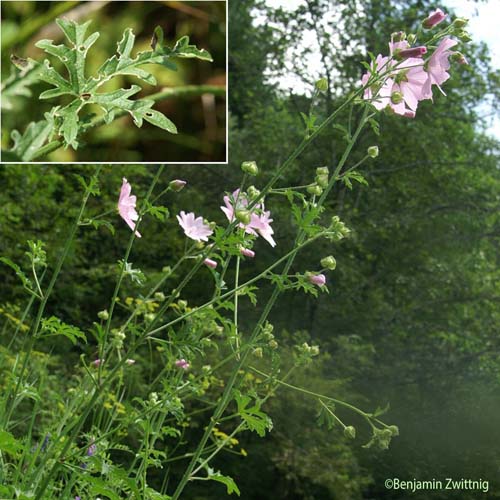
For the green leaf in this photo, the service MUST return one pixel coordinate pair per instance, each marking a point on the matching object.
(255, 419)
(183, 49)
(69, 128)
(54, 326)
(19, 273)
(231, 486)
(16, 85)
(34, 137)
(8, 443)
(160, 120)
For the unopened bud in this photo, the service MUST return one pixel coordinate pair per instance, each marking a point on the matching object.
(244, 216)
(394, 430)
(104, 315)
(159, 296)
(350, 432)
(460, 22)
(434, 19)
(412, 52)
(396, 97)
(177, 185)
(329, 262)
(257, 352)
(459, 58)
(273, 344)
(182, 304)
(322, 84)
(315, 189)
(465, 37)
(314, 350)
(372, 151)
(398, 36)
(253, 192)
(210, 263)
(250, 167)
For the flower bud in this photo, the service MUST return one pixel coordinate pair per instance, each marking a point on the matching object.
(247, 252)
(315, 189)
(166, 269)
(250, 167)
(460, 22)
(273, 344)
(149, 317)
(394, 430)
(257, 352)
(177, 185)
(396, 97)
(210, 263)
(412, 52)
(465, 37)
(159, 296)
(409, 114)
(459, 58)
(322, 171)
(329, 262)
(253, 192)
(398, 36)
(434, 19)
(182, 304)
(314, 350)
(322, 84)
(244, 216)
(372, 151)
(350, 432)
(317, 279)
(182, 363)
(104, 315)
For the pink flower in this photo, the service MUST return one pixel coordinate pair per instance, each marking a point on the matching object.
(182, 363)
(126, 206)
(317, 279)
(238, 201)
(91, 449)
(194, 228)
(260, 221)
(210, 263)
(381, 66)
(438, 66)
(410, 81)
(97, 362)
(247, 252)
(434, 19)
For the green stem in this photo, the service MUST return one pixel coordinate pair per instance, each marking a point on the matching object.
(43, 303)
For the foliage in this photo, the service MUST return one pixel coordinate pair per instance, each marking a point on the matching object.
(66, 120)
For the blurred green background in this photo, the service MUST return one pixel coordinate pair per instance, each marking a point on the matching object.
(200, 120)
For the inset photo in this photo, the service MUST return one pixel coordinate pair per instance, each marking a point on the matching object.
(114, 82)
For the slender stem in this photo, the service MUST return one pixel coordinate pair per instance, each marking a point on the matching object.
(227, 395)
(48, 291)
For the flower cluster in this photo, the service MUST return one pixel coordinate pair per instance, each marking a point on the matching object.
(404, 78)
(255, 222)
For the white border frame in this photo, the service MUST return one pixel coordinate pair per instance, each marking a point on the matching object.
(34, 163)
